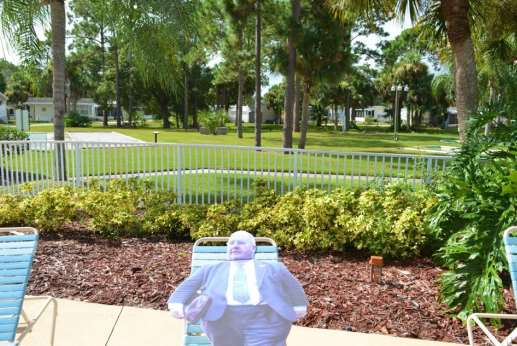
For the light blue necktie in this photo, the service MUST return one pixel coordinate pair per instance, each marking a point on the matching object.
(240, 285)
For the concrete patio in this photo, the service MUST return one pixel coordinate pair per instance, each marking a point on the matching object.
(87, 324)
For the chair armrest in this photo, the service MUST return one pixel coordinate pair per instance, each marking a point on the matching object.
(476, 319)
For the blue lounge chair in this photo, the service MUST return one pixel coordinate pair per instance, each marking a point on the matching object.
(203, 255)
(510, 244)
(17, 248)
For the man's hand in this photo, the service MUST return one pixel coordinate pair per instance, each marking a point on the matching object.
(176, 310)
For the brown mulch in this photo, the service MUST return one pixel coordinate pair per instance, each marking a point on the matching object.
(142, 273)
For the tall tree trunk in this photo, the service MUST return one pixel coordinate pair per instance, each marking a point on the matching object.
(346, 120)
(305, 115)
(258, 80)
(195, 122)
(335, 118)
(118, 108)
(130, 95)
(296, 109)
(58, 24)
(185, 97)
(456, 15)
(164, 111)
(240, 91)
(291, 67)
(103, 73)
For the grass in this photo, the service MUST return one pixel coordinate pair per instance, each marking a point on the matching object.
(210, 172)
(146, 159)
(368, 139)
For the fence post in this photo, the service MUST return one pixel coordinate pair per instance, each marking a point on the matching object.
(179, 198)
(78, 166)
(428, 170)
(295, 170)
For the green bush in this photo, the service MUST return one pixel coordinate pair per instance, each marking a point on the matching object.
(221, 220)
(176, 223)
(12, 134)
(213, 120)
(74, 119)
(51, 209)
(11, 213)
(370, 120)
(477, 201)
(113, 211)
(390, 222)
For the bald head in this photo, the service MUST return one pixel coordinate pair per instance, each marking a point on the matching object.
(241, 246)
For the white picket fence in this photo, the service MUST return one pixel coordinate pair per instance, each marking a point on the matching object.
(200, 173)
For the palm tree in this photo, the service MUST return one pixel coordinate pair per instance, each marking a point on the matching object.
(258, 79)
(291, 68)
(451, 17)
(18, 19)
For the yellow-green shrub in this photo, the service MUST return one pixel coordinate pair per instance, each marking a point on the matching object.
(111, 213)
(50, 209)
(221, 220)
(11, 214)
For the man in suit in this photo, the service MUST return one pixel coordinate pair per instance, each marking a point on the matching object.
(253, 302)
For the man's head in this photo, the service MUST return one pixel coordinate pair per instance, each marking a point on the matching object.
(241, 246)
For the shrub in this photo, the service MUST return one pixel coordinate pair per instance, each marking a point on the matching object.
(176, 223)
(11, 214)
(12, 134)
(50, 209)
(213, 120)
(370, 120)
(221, 220)
(113, 211)
(74, 119)
(477, 201)
(390, 222)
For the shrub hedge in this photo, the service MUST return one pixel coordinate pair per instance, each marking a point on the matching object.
(390, 221)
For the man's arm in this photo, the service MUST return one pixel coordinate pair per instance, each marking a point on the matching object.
(293, 287)
(187, 289)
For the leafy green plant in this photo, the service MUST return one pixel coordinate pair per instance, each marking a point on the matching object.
(213, 120)
(11, 214)
(477, 200)
(221, 220)
(50, 209)
(74, 119)
(12, 134)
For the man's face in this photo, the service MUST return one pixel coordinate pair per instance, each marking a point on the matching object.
(240, 246)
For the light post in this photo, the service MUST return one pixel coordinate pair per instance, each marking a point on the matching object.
(397, 89)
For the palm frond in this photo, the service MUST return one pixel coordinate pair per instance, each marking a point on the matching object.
(18, 20)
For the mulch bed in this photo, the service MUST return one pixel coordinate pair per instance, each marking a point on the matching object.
(142, 273)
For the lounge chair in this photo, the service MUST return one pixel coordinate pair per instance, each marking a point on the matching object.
(210, 254)
(510, 244)
(17, 248)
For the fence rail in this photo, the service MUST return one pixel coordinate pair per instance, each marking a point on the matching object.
(203, 173)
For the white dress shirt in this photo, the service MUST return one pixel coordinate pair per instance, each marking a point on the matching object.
(251, 278)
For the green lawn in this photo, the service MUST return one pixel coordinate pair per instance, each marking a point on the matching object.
(208, 172)
(370, 139)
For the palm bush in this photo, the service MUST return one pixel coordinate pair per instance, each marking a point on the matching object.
(477, 201)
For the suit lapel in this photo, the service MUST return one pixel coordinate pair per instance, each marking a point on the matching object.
(225, 273)
(260, 271)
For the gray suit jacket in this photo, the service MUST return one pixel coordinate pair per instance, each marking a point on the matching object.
(277, 286)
